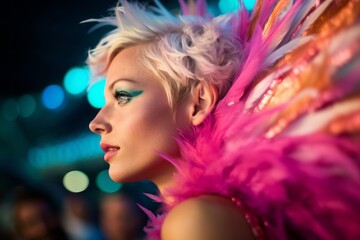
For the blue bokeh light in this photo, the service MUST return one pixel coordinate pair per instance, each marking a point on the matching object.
(76, 80)
(52, 97)
(249, 4)
(227, 6)
(95, 95)
(75, 150)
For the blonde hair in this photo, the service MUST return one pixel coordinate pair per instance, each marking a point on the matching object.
(180, 51)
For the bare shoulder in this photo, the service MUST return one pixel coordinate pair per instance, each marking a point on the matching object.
(206, 217)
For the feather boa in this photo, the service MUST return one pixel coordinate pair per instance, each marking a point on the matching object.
(284, 142)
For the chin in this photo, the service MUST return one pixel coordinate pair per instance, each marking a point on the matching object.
(123, 177)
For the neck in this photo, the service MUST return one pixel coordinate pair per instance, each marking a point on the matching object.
(165, 179)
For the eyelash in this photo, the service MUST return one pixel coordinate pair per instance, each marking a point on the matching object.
(122, 97)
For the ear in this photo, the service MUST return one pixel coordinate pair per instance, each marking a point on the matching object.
(204, 99)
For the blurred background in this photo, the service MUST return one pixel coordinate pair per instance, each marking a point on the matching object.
(45, 107)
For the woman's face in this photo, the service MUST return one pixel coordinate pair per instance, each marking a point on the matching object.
(137, 121)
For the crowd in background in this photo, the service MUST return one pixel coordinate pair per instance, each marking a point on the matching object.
(35, 212)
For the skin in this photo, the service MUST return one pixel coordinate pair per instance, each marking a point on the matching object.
(36, 221)
(144, 124)
(206, 217)
(139, 126)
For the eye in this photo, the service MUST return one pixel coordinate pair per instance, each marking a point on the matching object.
(122, 97)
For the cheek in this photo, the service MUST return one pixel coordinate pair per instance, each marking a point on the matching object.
(157, 123)
(149, 128)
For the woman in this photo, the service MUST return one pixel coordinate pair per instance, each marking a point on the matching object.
(216, 112)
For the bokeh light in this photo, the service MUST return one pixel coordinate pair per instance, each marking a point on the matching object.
(66, 152)
(249, 4)
(76, 80)
(52, 97)
(95, 95)
(76, 181)
(105, 184)
(226, 6)
(26, 105)
(10, 111)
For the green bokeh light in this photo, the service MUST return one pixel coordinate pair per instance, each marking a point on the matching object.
(26, 105)
(76, 181)
(105, 184)
(10, 111)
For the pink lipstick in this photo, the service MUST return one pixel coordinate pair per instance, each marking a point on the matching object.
(109, 150)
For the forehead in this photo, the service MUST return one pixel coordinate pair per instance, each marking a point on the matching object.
(127, 64)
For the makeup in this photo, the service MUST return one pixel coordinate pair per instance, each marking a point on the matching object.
(125, 96)
(109, 150)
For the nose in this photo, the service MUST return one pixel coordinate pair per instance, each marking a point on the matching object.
(99, 125)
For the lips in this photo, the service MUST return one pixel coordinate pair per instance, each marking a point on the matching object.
(109, 150)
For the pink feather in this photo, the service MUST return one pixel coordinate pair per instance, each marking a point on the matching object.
(184, 7)
(298, 187)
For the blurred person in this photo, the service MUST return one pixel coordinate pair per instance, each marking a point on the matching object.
(78, 219)
(121, 218)
(36, 216)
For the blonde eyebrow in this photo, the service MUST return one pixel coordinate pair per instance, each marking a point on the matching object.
(111, 86)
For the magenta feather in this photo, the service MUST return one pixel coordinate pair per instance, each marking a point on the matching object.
(184, 7)
(300, 186)
(201, 8)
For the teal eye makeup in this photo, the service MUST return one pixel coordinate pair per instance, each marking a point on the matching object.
(123, 97)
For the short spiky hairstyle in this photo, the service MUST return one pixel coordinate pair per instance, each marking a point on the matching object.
(180, 51)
